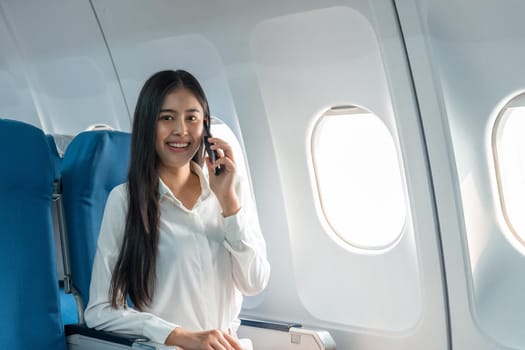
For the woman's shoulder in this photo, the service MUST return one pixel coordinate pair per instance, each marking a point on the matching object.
(118, 195)
(120, 189)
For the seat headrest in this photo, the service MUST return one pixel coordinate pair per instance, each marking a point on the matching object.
(27, 163)
(96, 158)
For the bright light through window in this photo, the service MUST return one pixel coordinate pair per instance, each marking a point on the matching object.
(358, 177)
(510, 166)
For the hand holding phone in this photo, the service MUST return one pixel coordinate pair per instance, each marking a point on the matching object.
(211, 153)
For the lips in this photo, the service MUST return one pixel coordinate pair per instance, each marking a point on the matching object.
(178, 144)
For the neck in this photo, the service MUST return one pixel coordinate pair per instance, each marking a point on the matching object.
(183, 184)
(176, 178)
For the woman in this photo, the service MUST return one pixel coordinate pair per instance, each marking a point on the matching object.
(182, 245)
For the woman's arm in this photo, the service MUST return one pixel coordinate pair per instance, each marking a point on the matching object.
(99, 313)
(244, 241)
(243, 238)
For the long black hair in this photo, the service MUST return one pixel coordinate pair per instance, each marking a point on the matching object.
(135, 271)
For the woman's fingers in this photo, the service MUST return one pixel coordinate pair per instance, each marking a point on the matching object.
(222, 343)
(225, 342)
(223, 162)
(213, 339)
(222, 147)
(233, 342)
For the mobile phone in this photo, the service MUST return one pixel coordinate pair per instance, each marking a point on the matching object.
(211, 153)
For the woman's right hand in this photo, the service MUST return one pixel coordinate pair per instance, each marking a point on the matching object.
(207, 340)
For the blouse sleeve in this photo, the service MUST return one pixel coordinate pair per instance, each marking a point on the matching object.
(99, 313)
(244, 241)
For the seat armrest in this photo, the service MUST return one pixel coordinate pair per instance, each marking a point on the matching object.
(118, 338)
(270, 335)
(276, 326)
(84, 338)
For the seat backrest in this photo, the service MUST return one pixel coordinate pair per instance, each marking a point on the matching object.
(55, 156)
(29, 302)
(94, 163)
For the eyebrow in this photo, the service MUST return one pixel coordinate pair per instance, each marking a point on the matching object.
(190, 110)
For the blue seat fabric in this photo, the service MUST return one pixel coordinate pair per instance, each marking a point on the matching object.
(29, 303)
(94, 163)
(54, 153)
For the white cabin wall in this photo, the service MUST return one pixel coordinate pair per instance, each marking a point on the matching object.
(58, 56)
(16, 101)
(313, 76)
(467, 59)
(480, 54)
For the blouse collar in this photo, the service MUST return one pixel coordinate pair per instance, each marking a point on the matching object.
(201, 173)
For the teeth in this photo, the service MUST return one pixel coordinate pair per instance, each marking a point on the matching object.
(178, 145)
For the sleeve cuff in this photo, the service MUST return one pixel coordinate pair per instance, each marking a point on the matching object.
(235, 226)
(157, 330)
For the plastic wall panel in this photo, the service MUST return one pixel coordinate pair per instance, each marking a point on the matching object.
(16, 101)
(479, 47)
(158, 41)
(475, 65)
(66, 65)
(339, 65)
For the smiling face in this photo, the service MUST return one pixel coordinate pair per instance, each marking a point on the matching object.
(179, 129)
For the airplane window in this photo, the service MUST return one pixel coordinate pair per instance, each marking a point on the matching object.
(509, 156)
(358, 177)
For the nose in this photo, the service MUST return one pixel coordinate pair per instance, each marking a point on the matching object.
(179, 127)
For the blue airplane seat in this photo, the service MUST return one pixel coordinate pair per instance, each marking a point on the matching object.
(29, 302)
(56, 158)
(68, 306)
(67, 301)
(94, 163)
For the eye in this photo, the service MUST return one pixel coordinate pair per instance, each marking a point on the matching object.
(193, 118)
(166, 117)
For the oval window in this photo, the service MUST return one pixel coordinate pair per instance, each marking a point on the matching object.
(358, 177)
(508, 143)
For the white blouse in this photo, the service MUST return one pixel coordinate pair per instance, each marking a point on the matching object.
(205, 263)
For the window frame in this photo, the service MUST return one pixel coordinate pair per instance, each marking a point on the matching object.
(331, 230)
(498, 128)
